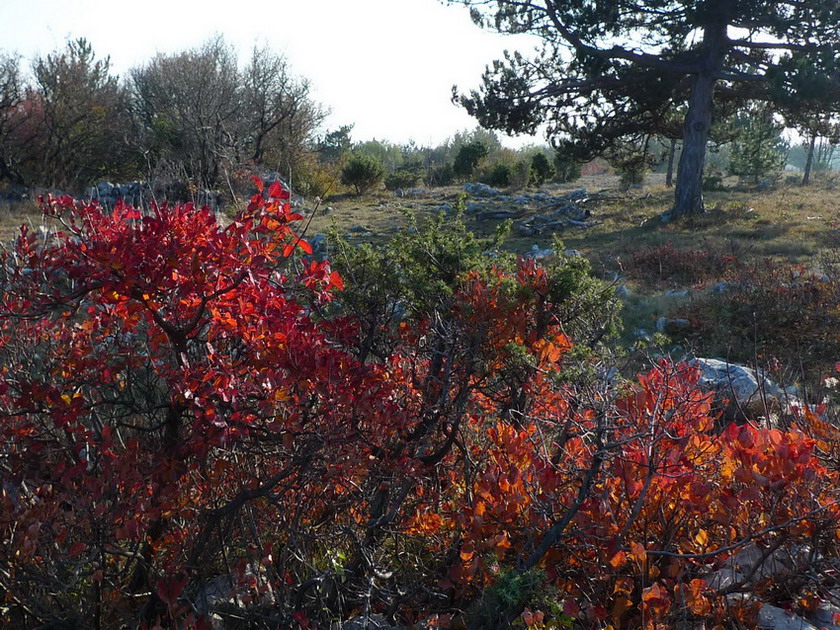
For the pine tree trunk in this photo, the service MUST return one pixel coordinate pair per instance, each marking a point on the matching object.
(688, 196)
(809, 161)
(669, 177)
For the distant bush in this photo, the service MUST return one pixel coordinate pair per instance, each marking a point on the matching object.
(632, 171)
(468, 157)
(758, 150)
(668, 264)
(541, 169)
(404, 177)
(566, 168)
(713, 182)
(362, 172)
(316, 179)
(500, 175)
(443, 175)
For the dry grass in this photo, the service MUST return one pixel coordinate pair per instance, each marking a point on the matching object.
(789, 222)
(13, 215)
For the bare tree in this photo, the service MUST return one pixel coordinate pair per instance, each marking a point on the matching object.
(279, 113)
(11, 114)
(189, 107)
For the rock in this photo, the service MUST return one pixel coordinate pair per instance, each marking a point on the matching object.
(721, 287)
(103, 189)
(498, 214)
(475, 208)
(677, 293)
(522, 200)
(525, 229)
(410, 192)
(446, 208)
(539, 254)
(573, 253)
(749, 565)
(642, 334)
(622, 291)
(774, 618)
(14, 192)
(742, 393)
(671, 326)
(480, 190)
(577, 195)
(359, 229)
(826, 616)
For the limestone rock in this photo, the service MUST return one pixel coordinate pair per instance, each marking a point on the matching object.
(480, 190)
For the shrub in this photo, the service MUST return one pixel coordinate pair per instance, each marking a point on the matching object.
(443, 175)
(186, 408)
(566, 168)
(362, 172)
(500, 175)
(667, 264)
(758, 150)
(316, 179)
(468, 157)
(541, 169)
(631, 171)
(404, 177)
(771, 310)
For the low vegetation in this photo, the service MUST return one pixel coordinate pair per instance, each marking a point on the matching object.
(229, 426)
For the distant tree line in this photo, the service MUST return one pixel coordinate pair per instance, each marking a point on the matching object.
(196, 115)
(206, 118)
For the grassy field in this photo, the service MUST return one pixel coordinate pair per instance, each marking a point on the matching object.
(788, 222)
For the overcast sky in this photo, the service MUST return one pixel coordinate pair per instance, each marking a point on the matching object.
(386, 66)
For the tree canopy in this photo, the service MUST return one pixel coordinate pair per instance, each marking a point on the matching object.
(610, 70)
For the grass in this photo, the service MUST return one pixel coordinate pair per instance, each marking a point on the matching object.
(787, 223)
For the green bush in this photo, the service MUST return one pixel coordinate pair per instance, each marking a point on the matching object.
(362, 172)
(468, 157)
(443, 175)
(758, 150)
(500, 175)
(541, 169)
(566, 168)
(404, 177)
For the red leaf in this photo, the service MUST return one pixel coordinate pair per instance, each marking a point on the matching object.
(277, 191)
(336, 281)
(306, 247)
(169, 590)
(259, 183)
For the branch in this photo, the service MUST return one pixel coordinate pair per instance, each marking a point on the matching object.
(645, 60)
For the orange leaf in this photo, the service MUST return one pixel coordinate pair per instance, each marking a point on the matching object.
(618, 560)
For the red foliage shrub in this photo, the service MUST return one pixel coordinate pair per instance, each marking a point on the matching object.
(179, 413)
(667, 264)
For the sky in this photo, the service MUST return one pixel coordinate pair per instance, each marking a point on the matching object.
(386, 66)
